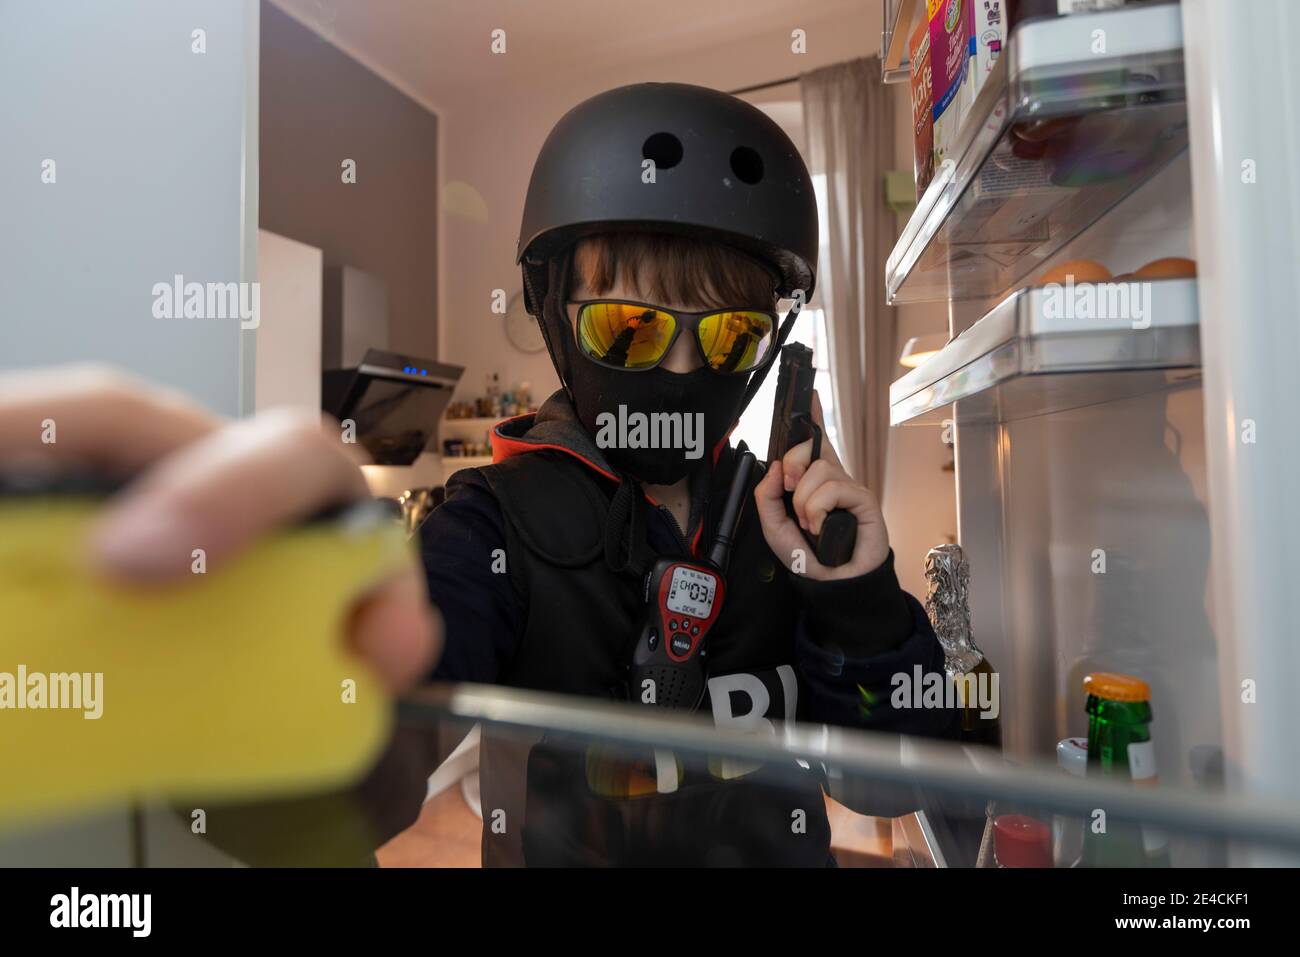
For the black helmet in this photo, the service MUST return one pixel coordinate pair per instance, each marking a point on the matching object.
(723, 170)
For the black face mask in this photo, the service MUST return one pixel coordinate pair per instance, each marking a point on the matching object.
(690, 412)
(706, 405)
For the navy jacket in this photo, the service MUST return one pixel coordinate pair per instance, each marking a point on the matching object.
(853, 635)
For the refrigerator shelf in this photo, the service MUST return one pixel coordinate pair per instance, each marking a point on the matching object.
(1077, 113)
(900, 16)
(1043, 350)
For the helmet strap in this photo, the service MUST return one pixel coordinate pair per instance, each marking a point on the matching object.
(782, 333)
(549, 303)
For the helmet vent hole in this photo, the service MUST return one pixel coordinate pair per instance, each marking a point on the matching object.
(747, 165)
(662, 149)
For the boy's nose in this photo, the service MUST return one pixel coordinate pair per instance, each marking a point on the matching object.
(683, 356)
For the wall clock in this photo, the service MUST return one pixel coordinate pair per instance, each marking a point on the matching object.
(521, 328)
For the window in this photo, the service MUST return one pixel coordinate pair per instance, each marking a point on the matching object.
(756, 423)
(810, 329)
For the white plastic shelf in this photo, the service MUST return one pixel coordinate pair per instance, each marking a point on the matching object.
(1053, 348)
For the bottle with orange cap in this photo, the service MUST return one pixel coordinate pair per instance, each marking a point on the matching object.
(1120, 745)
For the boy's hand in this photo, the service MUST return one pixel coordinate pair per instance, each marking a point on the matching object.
(199, 478)
(818, 489)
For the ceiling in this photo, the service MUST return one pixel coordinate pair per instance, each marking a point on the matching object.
(439, 51)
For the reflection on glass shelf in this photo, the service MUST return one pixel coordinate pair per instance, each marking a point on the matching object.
(1059, 347)
(607, 783)
(1065, 128)
(550, 779)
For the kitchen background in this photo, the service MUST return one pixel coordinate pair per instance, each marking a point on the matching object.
(444, 133)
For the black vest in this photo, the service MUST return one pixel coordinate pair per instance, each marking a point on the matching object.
(582, 619)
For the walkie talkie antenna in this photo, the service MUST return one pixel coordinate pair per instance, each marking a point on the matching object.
(721, 550)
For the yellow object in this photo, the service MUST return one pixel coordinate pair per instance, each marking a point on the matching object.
(237, 684)
(1116, 687)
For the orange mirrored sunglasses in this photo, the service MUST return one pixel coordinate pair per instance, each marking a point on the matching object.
(636, 336)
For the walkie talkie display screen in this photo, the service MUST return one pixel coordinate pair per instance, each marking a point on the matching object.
(690, 592)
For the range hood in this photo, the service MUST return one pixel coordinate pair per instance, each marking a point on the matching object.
(395, 400)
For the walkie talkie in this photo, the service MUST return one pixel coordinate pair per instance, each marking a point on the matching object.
(792, 423)
(682, 601)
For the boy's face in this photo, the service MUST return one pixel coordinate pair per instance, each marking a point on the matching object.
(682, 357)
(681, 383)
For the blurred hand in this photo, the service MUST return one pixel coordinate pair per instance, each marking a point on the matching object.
(819, 489)
(195, 477)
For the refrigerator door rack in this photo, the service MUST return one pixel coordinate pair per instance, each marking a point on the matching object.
(1044, 350)
(899, 17)
(1078, 113)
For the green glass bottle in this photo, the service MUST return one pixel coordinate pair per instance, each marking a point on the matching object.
(1120, 745)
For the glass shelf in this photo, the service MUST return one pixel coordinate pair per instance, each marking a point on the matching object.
(900, 16)
(1078, 113)
(1034, 353)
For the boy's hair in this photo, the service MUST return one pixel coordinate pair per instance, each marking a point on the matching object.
(665, 268)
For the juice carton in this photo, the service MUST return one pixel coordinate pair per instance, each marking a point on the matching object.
(988, 36)
(951, 24)
(918, 51)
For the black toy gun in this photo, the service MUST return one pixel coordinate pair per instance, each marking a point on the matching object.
(792, 423)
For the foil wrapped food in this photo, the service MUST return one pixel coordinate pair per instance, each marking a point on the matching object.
(947, 602)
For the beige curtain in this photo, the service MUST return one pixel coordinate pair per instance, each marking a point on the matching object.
(849, 124)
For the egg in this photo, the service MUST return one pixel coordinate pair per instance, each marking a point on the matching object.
(1171, 267)
(1081, 270)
